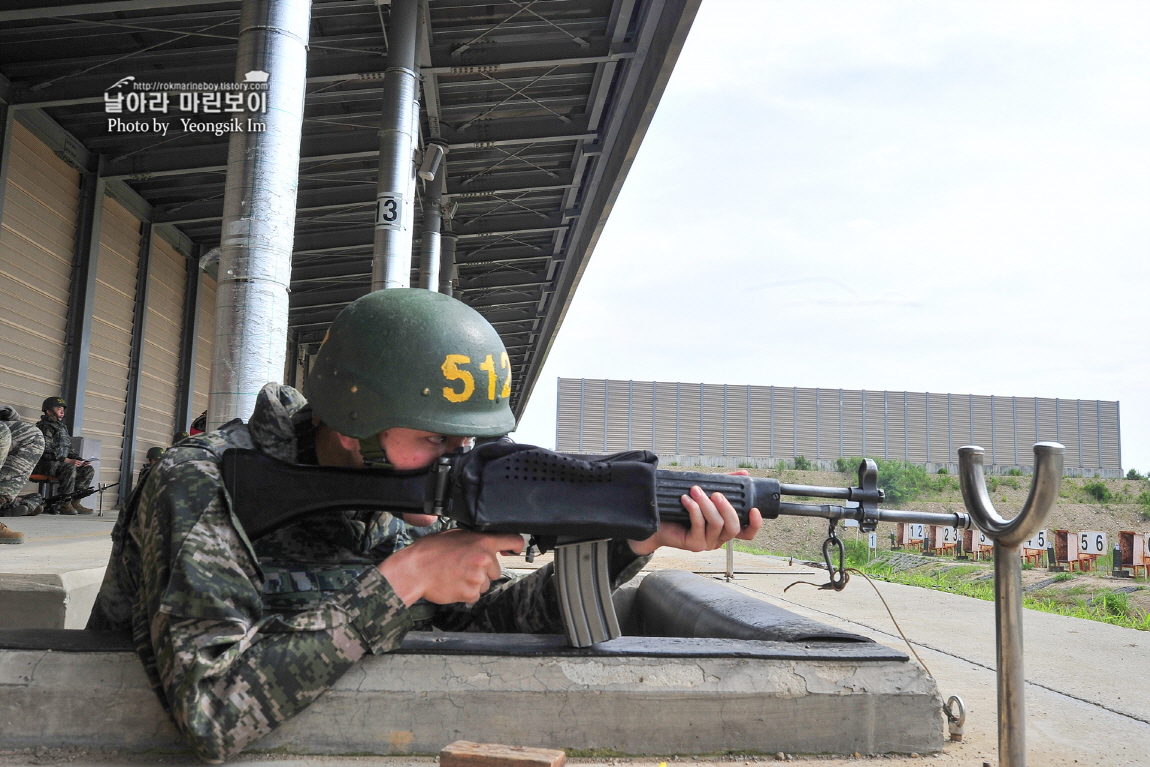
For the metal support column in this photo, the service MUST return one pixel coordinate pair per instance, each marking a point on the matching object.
(818, 426)
(1098, 409)
(771, 434)
(678, 403)
(702, 398)
(1081, 463)
(1014, 425)
(78, 339)
(748, 420)
(905, 428)
(886, 424)
(429, 248)
(139, 331)
(7, 117)
(993, 438)
(447, 242)
(795, 420)
(259, 211)
(654, 417)
(391, 254)
(582, 405)
(928, 427)
(606, 411)
(189, 338)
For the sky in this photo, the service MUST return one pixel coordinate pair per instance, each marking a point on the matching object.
(925, 196)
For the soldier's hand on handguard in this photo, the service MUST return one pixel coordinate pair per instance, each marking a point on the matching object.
(454, 566)
(713, 523)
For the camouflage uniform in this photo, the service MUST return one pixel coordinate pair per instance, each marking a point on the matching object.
(21, 445)
(239, 636)
(57, 447)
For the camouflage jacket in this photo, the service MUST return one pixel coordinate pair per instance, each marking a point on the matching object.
(57, 440)
(21, 444)
(239, 636)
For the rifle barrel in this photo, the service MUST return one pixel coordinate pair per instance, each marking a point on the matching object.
(826, 511)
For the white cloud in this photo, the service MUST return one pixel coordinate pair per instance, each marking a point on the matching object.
(933, 195)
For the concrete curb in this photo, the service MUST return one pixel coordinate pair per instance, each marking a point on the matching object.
(48, 600)
(414, 703)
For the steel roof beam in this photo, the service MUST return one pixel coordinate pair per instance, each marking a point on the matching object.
(327, 147)
(323, 70)
(501, 280)
(112, 6)
(307, 201)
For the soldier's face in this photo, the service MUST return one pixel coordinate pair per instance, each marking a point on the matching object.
(414, 449)
(57, 411)
(406, 449)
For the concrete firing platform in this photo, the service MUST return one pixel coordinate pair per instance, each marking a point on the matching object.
(51, 580)
(631, 696)
(635, 695)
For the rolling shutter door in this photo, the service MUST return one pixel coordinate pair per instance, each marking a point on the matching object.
(205, 343)
(160, 361)
(37, 240)
(110, 353)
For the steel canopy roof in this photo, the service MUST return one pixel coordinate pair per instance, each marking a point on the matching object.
(543, 104)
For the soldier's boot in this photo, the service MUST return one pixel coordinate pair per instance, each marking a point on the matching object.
(81, 509)
(64, 508)
(7, 535)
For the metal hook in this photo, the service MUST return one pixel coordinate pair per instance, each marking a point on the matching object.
(838, 576)
(956, 720)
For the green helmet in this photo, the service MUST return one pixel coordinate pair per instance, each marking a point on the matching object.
(413, 358)
(52, 402)
(154, 453)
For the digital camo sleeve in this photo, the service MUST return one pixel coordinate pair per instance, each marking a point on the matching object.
(228, 673)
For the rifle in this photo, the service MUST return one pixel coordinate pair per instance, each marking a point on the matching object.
(570, 503)
(77, 495)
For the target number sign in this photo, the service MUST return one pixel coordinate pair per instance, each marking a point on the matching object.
(983, 541)
(1092, 542)
(949, 536)
(1037, 542)
(872, 540)
(915, 531)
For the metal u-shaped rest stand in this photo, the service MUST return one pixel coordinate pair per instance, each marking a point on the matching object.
(1008, 537)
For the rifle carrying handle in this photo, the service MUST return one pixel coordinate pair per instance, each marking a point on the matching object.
(744, 493)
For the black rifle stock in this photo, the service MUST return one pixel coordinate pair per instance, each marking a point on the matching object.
(571, 503)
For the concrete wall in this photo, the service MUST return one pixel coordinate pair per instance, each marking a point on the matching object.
(417, 703)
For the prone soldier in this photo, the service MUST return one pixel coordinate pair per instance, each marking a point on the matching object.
(73, 473)
(238, 636)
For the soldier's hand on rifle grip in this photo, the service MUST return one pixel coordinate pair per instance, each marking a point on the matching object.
(713, 523)
(455, 566)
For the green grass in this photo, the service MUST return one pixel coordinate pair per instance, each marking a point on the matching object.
(1098, 490)
(1074, 602)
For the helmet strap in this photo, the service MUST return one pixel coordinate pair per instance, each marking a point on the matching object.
(373, 453)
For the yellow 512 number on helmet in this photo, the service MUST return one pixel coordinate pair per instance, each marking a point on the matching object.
(413, 358)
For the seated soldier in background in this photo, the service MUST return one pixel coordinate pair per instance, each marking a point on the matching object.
(239, 637)
(59, 461)
(21, 445)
